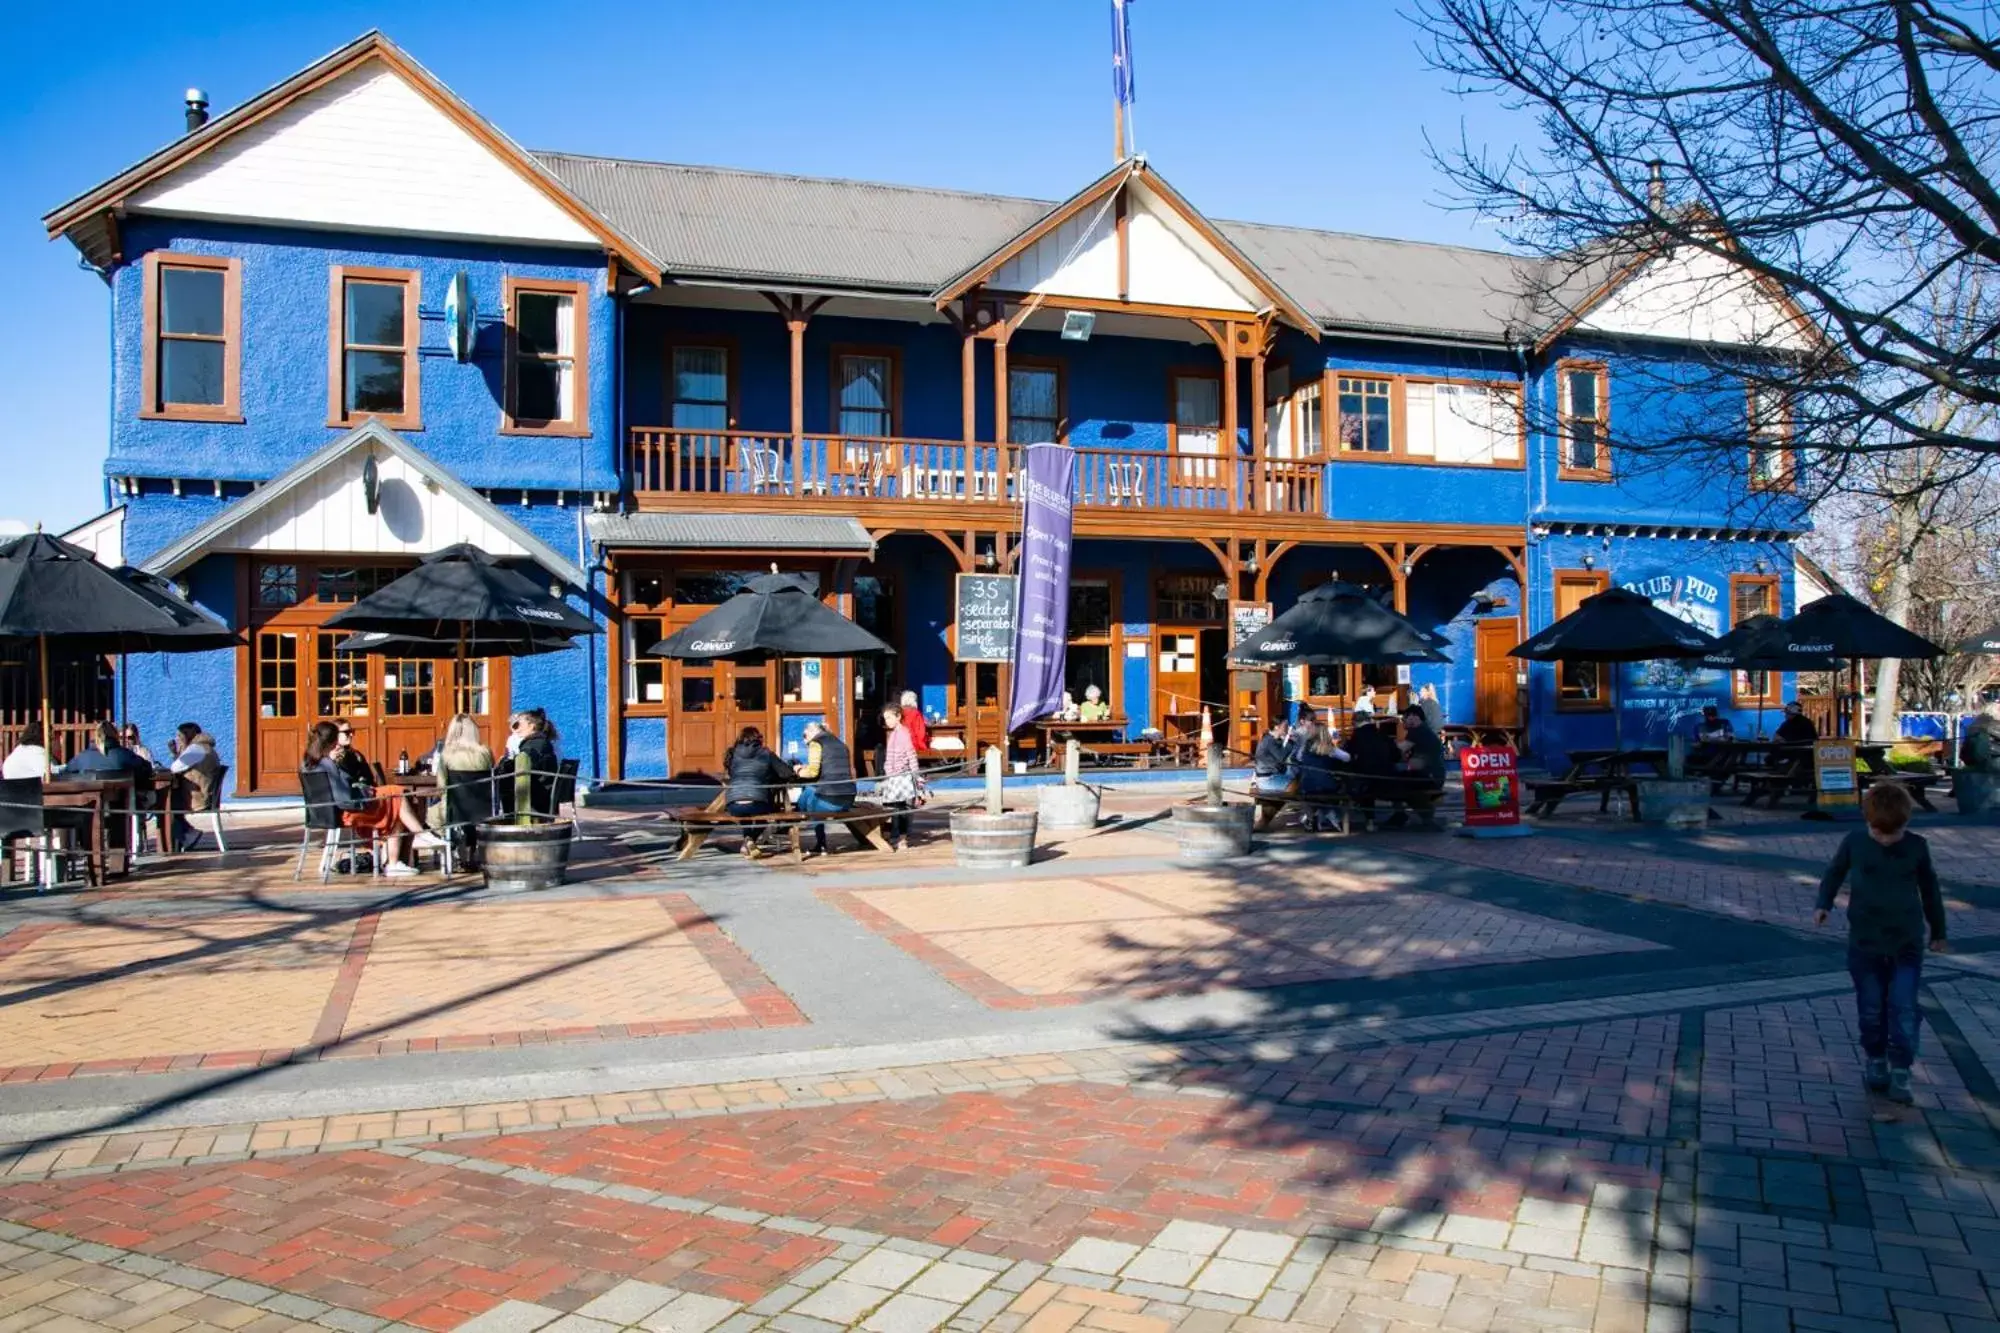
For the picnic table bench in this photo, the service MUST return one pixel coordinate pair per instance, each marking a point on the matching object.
(1604, 772)
(862, 820)
(1351, 790)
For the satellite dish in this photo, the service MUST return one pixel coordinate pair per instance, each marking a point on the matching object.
(461, 316)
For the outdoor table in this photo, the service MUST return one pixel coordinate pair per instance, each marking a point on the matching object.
(94, 795)
(1054, 729)
(1600, 771)
(1481, 733)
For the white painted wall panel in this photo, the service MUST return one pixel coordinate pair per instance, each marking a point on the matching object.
(1093, 272)
(366, 151)
(1695, 296)
(329, 513)
(1174, 265)
(103, 537)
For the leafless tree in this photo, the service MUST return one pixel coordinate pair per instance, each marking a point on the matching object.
(1832, 156)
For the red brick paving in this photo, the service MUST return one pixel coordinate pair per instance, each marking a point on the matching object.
(428, 1245)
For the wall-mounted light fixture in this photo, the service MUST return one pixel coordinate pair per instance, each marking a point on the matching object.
(1078, 325)
(1589, 560)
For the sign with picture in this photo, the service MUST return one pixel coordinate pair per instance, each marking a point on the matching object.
(1492, 786)
(1656, 696)
(1836, 789)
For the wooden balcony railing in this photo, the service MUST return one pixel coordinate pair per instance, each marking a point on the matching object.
(692, 462)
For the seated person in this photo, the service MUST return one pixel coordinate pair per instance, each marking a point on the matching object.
(1374, 754)
(29, 759)
(1713, 726)
(389, 818)
(1320, 766)
(128, 735)
(352, 763)
(829, 768)
(1797, 728)
(461, 751)
(1979, 749)
(531, 734)
(200, 768)
(757, 780)
(106, 756)
(915, 722)
(1271, 761)
(1093, 709)
(1423, 759)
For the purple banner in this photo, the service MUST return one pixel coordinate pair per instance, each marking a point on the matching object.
(1041, 616)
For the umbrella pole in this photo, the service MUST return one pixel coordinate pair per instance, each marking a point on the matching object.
(48, 721)
(458, 674)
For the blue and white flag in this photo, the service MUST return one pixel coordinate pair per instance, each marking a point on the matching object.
(1124, 84)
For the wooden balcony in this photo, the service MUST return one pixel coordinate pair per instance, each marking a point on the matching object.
(740, 467)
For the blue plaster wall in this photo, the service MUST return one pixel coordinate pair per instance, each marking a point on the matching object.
(286, 324)
(1653, 700)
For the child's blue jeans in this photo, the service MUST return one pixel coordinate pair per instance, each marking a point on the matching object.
(1885, 1002)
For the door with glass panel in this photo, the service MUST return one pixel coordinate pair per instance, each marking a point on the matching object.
(1198, 431)
(699, 402)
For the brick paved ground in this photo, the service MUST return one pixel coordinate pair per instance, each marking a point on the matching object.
(1458, 1100)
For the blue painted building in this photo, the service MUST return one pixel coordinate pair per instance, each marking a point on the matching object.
(649, 381)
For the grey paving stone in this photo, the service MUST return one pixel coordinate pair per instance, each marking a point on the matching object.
(628, 1302)
(840, 1302)
(780, 1299)
(1208, 1300)
(821, 1273)
(985, 1305)
(234, 1289)
(1021, 1276)
(690, 1312)
(798, 1323)
(1153, 1291)
(974, 1259)
(888, 1269)
(1277, 1305)
(851, 1236)
(749, 1216)
(1270, 1248)
(1234, 1277)
(576, 1323)
(946, 1281)
(1167, 1267)
(507, 1317)
(922, 1249)
(299, 1307)
(349, 1321)
(1097, 1256)
(1076, 1277)
(1190, 1238)
(908, 1313)
(796, 1225)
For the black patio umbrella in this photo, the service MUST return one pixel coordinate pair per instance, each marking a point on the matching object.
(50, 589)
(1616, 625)
(475, 645)
(1763, 643)
(1335, 624)
(1984, 644)
(1840, 626)
(461, 596)
(773, 615)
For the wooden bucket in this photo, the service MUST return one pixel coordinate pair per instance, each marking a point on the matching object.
(993, 842)
(1067, 806)
(1210, 833)
(519, 857)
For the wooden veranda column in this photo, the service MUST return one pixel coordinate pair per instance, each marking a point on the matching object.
(1001, 333)
(1228, 442)
(797, 312)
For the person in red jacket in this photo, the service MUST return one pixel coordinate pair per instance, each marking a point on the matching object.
(914, 723)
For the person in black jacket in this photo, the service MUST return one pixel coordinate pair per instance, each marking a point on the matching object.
(1272, 759)
(1374, 754)
(533, 735)
(829, 767)
(757, 777)
(1892, 897)
(1797, 728)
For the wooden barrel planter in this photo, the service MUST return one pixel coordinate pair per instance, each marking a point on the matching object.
(993, 842)
(1977, 793)
(1067, 806)
(518, 857)
(1208, 833)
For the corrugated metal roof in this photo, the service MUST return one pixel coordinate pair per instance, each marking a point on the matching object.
(725, 223)
(727, 532)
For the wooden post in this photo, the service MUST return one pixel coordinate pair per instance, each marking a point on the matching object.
(995, 798)
(1258, 443)
(1000, 335)
(1227, 448)
(969, 377)
(1215, 775)
(796, 327)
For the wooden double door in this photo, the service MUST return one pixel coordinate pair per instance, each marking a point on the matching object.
(716, 700)
(296, 676)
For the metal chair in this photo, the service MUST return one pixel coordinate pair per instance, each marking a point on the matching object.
(468, 801)
(565, 792)
(1125, 482)
(322, 816)
(22, 815)
(212, 807)
(767, 468)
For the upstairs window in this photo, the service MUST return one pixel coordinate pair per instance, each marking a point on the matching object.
(1034, 404)
(1585, 387)
(1461, 423)
(193, 336)
(698, 389)
(1364, 415)
(548, 373)
(865, 393)
(1770, 431)
(1308, 428)
(372, 371)
(1754, 595)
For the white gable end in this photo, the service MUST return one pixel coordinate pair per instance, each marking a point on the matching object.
(368, 152)
(328, 512)
(1695, 296)
(1169, 263)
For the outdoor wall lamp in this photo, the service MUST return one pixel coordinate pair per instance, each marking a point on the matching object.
(1760, 565)
(1589, 560)
(1406, 567)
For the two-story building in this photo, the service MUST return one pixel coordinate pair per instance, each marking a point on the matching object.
(354, 322)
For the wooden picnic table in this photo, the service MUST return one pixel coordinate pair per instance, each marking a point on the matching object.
(95, 795)
(1604, 772)
(1480, 733)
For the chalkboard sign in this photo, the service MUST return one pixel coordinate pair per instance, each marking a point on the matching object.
(985, 617)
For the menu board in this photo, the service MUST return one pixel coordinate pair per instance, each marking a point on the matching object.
(985, 618)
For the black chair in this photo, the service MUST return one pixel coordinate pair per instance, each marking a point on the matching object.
(322, 816)
(468, 802)
(565, 791)
(21, 815)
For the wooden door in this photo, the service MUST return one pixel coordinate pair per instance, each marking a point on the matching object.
(279, 664)
(715, 701)
(1496, 694)
(1176, 671)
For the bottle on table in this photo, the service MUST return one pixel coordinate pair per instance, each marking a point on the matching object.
(403, 764)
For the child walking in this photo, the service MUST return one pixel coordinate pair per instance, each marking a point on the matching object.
(1892, 896)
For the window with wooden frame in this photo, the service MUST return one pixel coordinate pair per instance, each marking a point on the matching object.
(548, 358)
(1583, 420)
(643, 598)
(1090, 656)
(1769, 418)
(1754, 595)
(867, 391)
(193, 333)
(1195, 426)
(1035, 412)
(372, 348)
(1365, 423)
(1580, 686)
(1308, 421)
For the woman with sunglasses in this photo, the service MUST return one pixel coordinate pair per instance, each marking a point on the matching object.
(353, 764)
(128, 736)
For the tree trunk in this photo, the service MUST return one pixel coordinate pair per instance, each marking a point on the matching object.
(1904, 525)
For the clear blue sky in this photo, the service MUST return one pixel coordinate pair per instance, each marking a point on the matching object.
(1316, 119)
